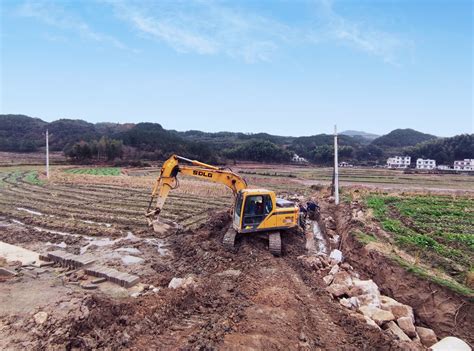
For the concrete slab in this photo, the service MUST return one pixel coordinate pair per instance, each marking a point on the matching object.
(6, 271)
(87, 261)
(16, 253)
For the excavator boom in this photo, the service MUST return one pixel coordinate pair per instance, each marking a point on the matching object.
(177, 164)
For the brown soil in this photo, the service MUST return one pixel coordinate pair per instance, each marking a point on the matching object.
(265, 303)
(275, 303)
(435, 306)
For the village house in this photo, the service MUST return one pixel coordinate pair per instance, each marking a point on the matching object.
(425, 164)
(464, 165)
(298, 159)
(345, 164)
(399, 162)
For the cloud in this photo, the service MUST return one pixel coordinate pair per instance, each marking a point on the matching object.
(208, 27)
(205, 27)
(52, 14)
(385, 45)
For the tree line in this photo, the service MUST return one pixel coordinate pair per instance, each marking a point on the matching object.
(104, 149)
(83, 142)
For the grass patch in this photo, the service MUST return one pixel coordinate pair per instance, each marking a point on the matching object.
(425, 274)
(32, 178)
(364, 238)
(101, 171)
(377, 204)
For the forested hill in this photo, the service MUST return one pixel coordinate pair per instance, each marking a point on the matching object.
(82, 141)
(402, 138)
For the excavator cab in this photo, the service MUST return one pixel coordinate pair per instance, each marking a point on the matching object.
(250, 210)
(260, 211)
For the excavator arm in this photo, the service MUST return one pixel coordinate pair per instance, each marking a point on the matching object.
(168, 181)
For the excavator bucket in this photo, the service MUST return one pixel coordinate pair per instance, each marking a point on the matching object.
(160, 227)
(163, 227)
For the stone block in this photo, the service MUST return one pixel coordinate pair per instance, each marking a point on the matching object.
(393, 328)
(406, 324)
(427, 336)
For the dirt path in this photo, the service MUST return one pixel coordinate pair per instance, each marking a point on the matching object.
(247, 300)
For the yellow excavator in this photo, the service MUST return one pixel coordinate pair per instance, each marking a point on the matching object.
(254, 210)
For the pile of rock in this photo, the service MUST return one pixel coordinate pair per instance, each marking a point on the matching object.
(143, 290)
(363, 297)
(364, 300)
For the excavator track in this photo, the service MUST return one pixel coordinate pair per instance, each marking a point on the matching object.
(229, 239)
(274, 240)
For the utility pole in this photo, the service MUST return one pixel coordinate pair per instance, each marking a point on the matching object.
(336, 169)
(47, 154)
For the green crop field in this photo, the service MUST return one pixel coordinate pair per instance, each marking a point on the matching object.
(107, 171)
(32, 178)
(437, 229)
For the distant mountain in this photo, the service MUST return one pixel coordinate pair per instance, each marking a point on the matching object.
(356, 133)
(65, 131)
(21, 133)
(151, 141)
(402, 138)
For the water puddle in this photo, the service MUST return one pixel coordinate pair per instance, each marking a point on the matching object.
(130, 236)
(42, 230)
(130, 250)
(126, 254)
(3, 223)
(61, 245)
(321, 243)
(128, 259)
(159, 244)
(108, 225)
(36, 213)
(98, 242)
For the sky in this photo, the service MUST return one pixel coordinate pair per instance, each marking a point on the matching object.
(291, 67)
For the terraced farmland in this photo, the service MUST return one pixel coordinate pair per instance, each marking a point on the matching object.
(81, 208)
(437, 229)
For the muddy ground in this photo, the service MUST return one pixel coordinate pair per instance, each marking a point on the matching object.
(247, 299)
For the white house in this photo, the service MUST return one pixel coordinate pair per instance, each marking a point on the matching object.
(399, 162)
(464, 165)
(298, 159)
(425, 164)
(443, 167)
(345, 164)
